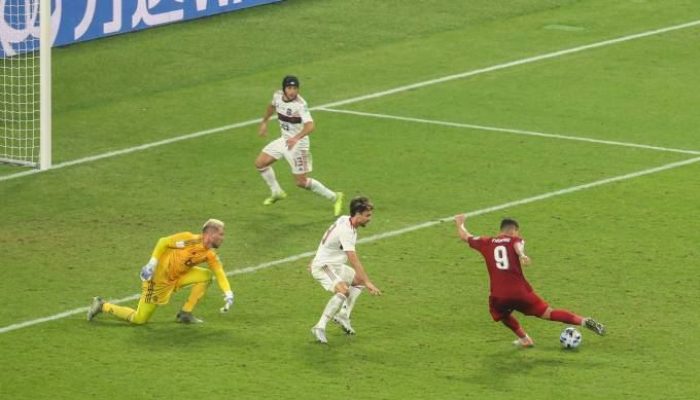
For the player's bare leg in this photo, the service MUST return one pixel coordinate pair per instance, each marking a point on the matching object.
(523, 339)
(264, 165)
(317, 187)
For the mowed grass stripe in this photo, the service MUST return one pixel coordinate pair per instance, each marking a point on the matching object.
(397, 232)
(375, 95)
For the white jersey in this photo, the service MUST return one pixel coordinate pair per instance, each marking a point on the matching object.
(292, 115)
(339, 238)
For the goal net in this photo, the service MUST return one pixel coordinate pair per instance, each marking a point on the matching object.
(25, 76)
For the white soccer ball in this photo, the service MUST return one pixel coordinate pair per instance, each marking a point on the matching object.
(570, 338)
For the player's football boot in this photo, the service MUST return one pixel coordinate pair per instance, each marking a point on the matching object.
(524, 342)
(275, 198)
(319, 334)
(344, 323)
(187, 318)
(95, 307)
(338, 205)
(595, 326)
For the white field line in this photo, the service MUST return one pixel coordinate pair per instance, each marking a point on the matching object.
(375, 95)
(516, 63)
(509, 130)
(393, 233)
(134, 149)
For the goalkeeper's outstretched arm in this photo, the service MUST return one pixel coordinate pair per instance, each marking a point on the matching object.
(147, 270)
(222, 281)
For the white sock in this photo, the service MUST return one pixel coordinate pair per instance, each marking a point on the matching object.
(353, 293)
(268, 175)
(331, 308)
(318, 188)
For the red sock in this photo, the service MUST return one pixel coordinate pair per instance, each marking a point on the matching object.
(514, 326)
(566, 317)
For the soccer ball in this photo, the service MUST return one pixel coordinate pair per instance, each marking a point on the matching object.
(570, 338)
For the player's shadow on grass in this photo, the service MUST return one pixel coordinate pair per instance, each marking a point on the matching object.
(332, 360)
(166, 335)
(495, 369)
(169, 335)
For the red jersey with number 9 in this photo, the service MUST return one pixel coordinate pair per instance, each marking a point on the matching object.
(503, 264)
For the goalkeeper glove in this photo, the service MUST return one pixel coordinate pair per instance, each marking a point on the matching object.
(228, 301)
(147, 270)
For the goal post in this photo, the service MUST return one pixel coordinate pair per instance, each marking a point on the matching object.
(25, 83)
(45, 84)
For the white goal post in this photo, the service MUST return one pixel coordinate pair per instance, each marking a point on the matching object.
(25, 83)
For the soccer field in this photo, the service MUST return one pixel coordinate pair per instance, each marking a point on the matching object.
(577, 118)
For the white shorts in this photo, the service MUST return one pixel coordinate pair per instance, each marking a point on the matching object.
(331, 275)
(299, 158)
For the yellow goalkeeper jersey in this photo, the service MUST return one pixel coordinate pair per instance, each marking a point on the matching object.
(178, 253)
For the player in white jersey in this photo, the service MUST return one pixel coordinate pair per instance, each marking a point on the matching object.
(329, 268)
(295, 124)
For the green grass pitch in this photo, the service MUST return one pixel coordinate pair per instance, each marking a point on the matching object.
(624, 251)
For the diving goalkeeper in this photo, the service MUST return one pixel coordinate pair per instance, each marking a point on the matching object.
(173, 265)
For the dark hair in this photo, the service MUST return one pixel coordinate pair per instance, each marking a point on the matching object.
(359, 205)
(508, 223)
(290, 80)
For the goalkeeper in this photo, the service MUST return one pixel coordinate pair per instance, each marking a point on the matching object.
(173, 266)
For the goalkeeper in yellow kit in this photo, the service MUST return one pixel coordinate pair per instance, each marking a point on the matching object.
(173, 266)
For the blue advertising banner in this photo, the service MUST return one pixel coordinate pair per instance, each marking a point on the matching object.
(80, 20)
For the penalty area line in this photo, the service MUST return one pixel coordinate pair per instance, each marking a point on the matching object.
(510, 131)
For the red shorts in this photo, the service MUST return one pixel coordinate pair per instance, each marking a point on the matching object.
(528, 304)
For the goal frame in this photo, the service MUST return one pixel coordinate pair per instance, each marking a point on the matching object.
(45, 44)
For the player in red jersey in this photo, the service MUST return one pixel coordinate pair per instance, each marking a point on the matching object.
(504, 255)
